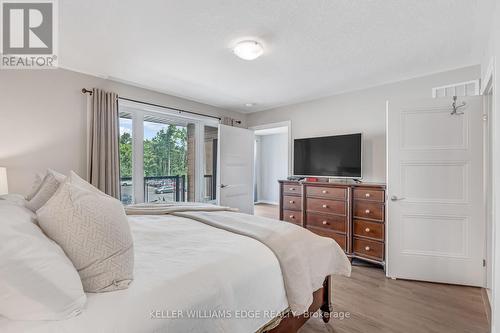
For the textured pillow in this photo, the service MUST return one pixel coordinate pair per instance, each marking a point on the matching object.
(37, 280)
(49, 186)
(94, 232)
(83, 184)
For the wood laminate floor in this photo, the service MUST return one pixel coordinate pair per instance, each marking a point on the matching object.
(266, 210)
(377, 304)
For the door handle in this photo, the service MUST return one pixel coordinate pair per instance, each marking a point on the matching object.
(223, 185)
(395, 198)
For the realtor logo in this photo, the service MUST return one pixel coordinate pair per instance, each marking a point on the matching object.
(28, 34)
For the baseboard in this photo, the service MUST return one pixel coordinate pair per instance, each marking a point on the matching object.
(266, 202)
(486, 301)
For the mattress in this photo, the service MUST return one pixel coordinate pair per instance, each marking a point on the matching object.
(188, 277)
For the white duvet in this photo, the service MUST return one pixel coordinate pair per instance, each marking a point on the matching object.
(182, 283)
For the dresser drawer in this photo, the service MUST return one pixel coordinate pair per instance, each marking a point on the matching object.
(368, 248)
(292, 203)
(369, 210)
(326, 192)
(368, 229)
(339, 238)
(292, 216)
(368, 194)
(292, 189)
(332, 222)
(326, 206)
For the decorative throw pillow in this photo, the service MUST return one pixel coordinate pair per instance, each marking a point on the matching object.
(37, 280)
(83, 184)
(59, 176)
(49, 186)
(94, 232)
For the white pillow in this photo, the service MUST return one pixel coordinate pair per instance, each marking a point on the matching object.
(35, 187)
(37, 280)
(49, 186)
(59, 176)
(93, 231)
(76, 180)
(38, 182)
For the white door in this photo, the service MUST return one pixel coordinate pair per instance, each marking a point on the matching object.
(436, 223)
(236, 163)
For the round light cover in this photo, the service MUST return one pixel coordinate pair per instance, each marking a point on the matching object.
(248, 49)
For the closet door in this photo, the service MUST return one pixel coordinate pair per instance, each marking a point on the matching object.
(436, 222)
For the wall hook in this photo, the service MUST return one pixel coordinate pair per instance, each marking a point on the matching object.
(456, 107)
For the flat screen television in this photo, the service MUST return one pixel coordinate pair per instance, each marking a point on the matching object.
(329, 156)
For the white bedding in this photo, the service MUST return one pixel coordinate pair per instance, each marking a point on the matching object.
(179, 274)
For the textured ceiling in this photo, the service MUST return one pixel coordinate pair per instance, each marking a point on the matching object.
(313, 48)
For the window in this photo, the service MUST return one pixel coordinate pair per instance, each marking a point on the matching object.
(126, 183)
(165, 156)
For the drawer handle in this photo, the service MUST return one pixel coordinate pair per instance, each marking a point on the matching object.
(291, 201)
(367, 230)
(325, 206)
(367, 195)
(292, 217)
(324, 191)
(367, 248)
(367, 211)
(292, 188)
(324, 222)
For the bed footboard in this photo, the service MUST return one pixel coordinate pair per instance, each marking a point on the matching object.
(322, 300)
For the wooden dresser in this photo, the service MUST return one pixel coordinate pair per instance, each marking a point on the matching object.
(351, 214)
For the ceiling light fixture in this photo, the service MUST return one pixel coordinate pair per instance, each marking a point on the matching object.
(248, 49)
(249, 105)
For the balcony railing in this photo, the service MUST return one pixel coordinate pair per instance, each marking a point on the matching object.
(156, 189)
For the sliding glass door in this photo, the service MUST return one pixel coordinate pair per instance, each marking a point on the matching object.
(165, 157)
(165, 160)
(210, 164)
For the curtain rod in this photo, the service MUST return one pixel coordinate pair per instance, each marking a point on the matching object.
(86, 91)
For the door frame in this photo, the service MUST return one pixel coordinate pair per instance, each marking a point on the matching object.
(288, 125)
(138, 110)
(489, 88)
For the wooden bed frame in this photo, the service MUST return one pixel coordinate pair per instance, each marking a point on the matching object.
(321, 300)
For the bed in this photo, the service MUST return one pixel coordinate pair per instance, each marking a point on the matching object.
(189, 277)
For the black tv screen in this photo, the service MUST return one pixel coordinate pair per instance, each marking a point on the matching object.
(329, 156)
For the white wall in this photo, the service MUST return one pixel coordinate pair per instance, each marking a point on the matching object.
(272, 160)
(43, 120)
(360, 111)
